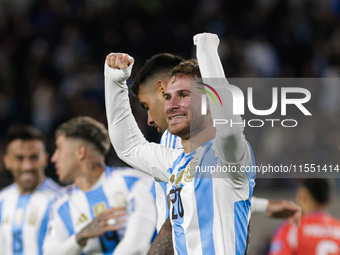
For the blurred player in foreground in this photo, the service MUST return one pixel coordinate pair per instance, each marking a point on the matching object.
(24, 205)
(88, 217)
(319, 232)
(208, 215)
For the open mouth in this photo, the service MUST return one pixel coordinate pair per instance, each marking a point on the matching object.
(176, 117)
(27, 176)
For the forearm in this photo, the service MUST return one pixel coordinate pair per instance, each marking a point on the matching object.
(163, 244)
(67, 247)
(229, 137)
(126, 138)
(123, 130)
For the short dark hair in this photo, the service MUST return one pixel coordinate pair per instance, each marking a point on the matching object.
(320, 189)
(158, 64)
(187, 67)
(88, 129)
(23, 132)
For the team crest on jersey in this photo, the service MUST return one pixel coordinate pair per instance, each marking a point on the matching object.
(189, 172)
(119, 199)
(99, 209)
(33, 217)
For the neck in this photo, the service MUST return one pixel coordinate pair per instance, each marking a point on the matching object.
(313, 208)
(194, 141)
(89, 177)
(23, 190)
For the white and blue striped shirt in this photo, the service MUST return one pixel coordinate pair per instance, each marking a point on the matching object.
(168, 140)
(258, 205)
(216, 206)
(76, 208)
(23, 218)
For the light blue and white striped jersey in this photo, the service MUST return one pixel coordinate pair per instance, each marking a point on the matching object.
(168, 140)
(23, 218)
(171, 141)
(217, 208)
(74, 209)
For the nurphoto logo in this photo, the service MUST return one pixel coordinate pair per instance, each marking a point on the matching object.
(288, 97)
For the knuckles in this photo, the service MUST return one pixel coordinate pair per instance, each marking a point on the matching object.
(118, 60)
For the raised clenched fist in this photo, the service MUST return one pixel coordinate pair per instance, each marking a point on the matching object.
(119, 60)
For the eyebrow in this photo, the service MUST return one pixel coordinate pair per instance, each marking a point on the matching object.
(34, 154)
(184, 90)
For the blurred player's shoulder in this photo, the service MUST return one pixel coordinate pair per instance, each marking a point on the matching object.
(66, 191)
(10, 190)
(64, 195)
(284, 240)
(283, 228)
(132, 178)
(320, 224)
(321, 217)
(50, 187)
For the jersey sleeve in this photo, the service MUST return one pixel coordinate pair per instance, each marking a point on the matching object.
(141, 221)
(58, 240)
(2, 242)
(283, 241)
(259, 205)
(230, 141)
(126, 137)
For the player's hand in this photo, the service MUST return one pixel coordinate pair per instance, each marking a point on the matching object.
(119, 60)
(206, 39)
(283, 209)
(110, 220)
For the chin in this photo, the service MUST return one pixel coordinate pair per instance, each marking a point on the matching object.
(29, 188)
(181, 132)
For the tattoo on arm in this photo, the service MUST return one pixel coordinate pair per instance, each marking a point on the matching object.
(163, 242)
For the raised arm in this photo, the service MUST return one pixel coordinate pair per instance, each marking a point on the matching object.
(126, 137)
(230, 139)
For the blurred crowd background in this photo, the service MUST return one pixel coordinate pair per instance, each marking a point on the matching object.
(52, 54)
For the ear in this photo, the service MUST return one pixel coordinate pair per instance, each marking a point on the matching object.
(46, 159)
(81, 152)
(161, 86)
(6, 162)
(301, 195)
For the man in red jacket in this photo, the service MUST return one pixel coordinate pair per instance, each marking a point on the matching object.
(318, 233)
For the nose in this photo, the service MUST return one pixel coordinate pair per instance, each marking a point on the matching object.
(171, 104)
(27, 165)
(54, 157)
(150, 121)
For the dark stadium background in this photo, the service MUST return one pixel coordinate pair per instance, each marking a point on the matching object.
(52, 54)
